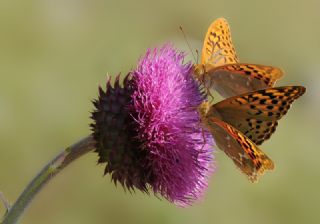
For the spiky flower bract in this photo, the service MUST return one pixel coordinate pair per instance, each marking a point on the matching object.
(153, 139)
(114, 132)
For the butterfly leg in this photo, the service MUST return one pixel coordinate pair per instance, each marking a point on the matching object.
(208, 92)
(204, 139)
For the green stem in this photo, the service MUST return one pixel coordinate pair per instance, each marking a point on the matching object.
(62, 160)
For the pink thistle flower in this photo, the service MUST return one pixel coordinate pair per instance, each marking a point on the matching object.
(149, 132)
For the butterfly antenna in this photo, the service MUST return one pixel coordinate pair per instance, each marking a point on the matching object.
(185, 37)
(197, 52)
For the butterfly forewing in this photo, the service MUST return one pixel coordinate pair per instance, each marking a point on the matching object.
(255, 114)
(244, 153)
(235, 79)
(217, 46)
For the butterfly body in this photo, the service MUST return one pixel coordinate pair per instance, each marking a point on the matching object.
(221, 69)
(240, 123)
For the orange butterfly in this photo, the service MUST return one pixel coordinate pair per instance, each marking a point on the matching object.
(240, 123)
(221, 70)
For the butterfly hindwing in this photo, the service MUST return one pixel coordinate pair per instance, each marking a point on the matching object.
(217, 46)
(235, 79)
(244, 153)
(255, 114)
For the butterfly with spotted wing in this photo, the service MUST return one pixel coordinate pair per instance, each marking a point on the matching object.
(221, 69)
(240, 123)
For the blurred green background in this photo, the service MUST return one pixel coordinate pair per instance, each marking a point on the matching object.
(55, 53)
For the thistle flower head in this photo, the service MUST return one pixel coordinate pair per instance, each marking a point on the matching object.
(149, 133)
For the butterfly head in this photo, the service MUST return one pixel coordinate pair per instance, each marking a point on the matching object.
(199, 70)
